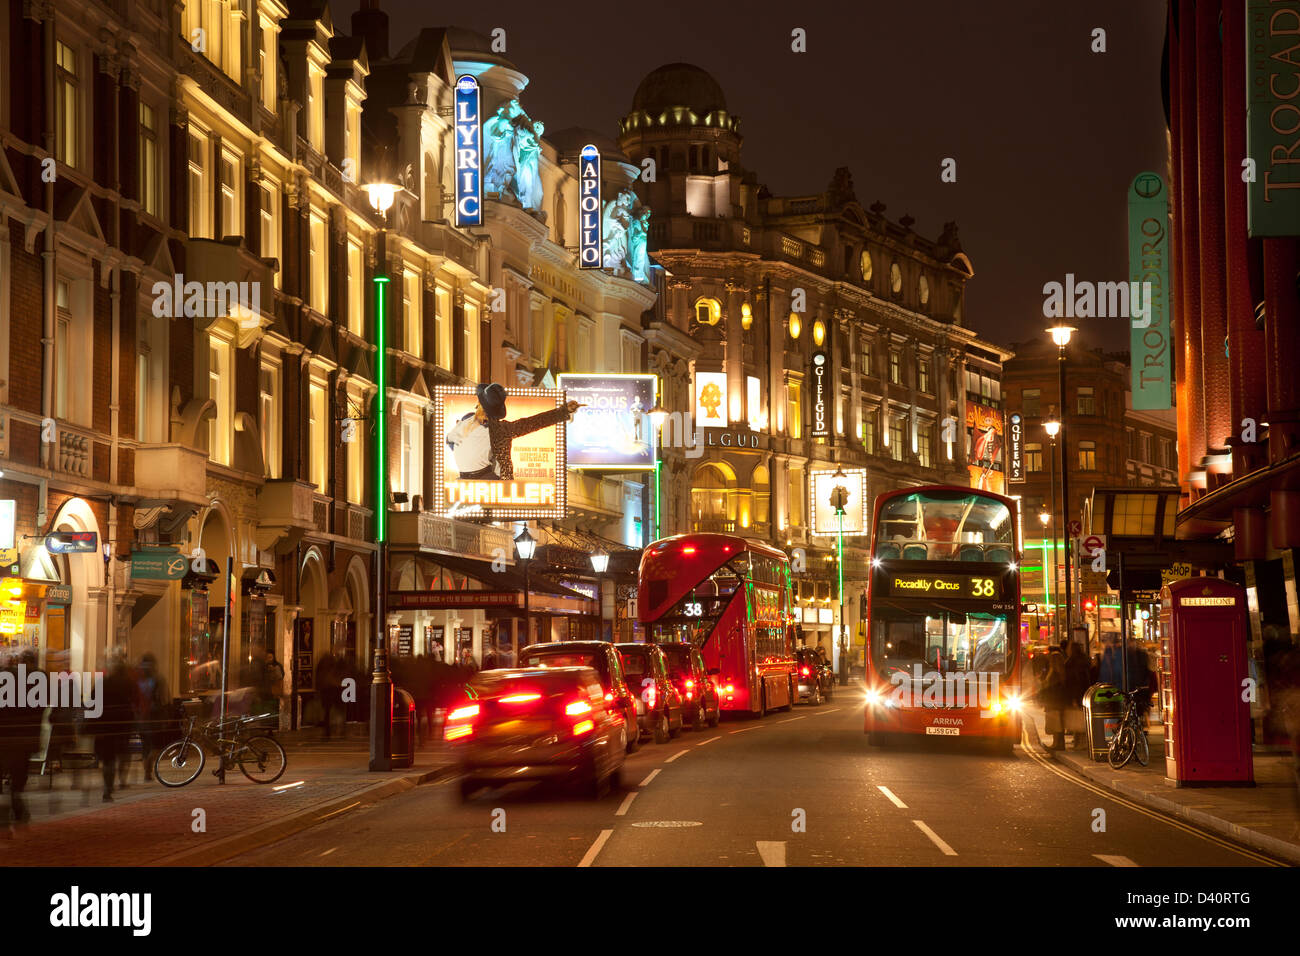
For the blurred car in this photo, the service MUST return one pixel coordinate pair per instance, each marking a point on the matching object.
(543, 723)
(816, 679)
(698, 691)
(607, 663)
(658, 705)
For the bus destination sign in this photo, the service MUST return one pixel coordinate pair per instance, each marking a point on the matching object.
(943, 585)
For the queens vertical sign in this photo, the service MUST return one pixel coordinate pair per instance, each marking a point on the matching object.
(469, 153)
(589, 251)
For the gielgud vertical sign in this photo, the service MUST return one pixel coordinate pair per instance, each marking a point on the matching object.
(820, 386)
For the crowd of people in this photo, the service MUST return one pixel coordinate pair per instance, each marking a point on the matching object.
(1063, 675)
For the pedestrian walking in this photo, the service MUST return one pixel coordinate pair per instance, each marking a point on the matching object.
(329, 689)
(20, 736)
(114, 724)
(1051, 697)
(1077, 681)
(153, 715)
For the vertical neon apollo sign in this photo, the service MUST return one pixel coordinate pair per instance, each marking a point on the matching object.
(589, 251)
(469, 153)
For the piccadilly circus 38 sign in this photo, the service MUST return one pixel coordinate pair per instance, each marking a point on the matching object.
(589, 248)
(469, 153)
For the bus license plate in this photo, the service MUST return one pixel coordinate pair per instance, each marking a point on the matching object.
(944, 731)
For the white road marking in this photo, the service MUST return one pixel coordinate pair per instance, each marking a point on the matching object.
(772, 852)
(627, 802)
(1114, 860)
(675, 756)
(329, 851)
(892, 799)
(934, 838)
(593, 851)
(709, 741)
(831, 711)
(791, 719)
(744, 730)
(646, 781)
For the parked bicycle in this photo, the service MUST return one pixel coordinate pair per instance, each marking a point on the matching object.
(258, 756)
(1130, 739)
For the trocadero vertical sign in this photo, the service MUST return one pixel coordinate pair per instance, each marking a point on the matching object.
(589, 246)
(469, 153)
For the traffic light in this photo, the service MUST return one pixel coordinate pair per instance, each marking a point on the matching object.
(1089, 604)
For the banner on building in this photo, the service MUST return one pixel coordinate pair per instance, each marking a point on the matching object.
(711, 400)
(1148, 259)
(984, 439)
(819, 374)
(1016, 446)
(589, 211)
(501, 455)
(849, 489)
(1272, 117)
(469, 152)
(613, 428)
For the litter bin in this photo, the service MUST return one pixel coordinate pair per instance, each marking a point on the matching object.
(1103, 706)
(403, 753)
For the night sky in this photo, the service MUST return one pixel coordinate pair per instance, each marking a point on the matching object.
(1047, 135)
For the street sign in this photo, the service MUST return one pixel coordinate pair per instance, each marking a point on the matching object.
(1075, 528)
(1090, 546)
(72, 542)
(1093, 582)
(1145, 597)
(8, 557)
(1176, 572)
(164, 564)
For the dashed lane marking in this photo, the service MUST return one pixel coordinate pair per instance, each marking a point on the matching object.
(935, 838)
(791, 719)
(771, 852)
(653, 773)
(892, 799)
(709, 741)
(329, 851)
(593, 851)
(675, 756)
(1114, 860)
(627, 802)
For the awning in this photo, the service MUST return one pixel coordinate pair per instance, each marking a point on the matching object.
(501, 589)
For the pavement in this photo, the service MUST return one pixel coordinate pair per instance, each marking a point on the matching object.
(1265, 817)
(205, 822)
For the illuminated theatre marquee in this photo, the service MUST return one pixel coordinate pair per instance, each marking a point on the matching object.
(531, 483)
(589, 211)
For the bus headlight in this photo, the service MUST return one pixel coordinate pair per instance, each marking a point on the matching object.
(873, 697)
(1013, 703)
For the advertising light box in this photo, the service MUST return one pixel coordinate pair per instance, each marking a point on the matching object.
(512, 466)
(821, 487)
(711, 400)
(613, 429)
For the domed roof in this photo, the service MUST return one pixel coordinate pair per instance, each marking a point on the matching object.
(467, 44)
(679, 84)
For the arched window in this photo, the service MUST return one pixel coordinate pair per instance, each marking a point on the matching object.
(713, 500)
(762, 495)
(707, 311)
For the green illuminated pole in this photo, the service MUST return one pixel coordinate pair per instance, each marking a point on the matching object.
(381, 682)
(659, 531)
(844, 638)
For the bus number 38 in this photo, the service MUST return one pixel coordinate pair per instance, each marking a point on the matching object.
(982, 587)
(693, 609)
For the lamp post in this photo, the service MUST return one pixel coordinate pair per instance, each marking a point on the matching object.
(599, 564)
(381, 197)
(658, 415)
(1061, 336)
(525, 546)
(1053, 427)
(839, 498)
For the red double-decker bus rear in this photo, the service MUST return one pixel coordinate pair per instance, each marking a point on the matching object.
(731, 598)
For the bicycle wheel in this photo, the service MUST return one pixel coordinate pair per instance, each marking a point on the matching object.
(179, 763)
(1142, 752)
(262, 759)
(1121, 747)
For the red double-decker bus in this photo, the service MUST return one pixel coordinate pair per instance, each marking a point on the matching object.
(943, 608)
(731, 598)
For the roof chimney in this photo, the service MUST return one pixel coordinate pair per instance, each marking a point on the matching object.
(371, 24)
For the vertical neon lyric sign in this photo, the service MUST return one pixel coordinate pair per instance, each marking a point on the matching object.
(469, 153)
(589, 251)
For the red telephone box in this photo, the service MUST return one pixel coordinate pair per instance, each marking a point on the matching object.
(1203, 674)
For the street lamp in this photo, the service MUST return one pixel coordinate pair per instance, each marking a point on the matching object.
(599, 563)
(381, 196)
(1061, 336)
(839, 498)
(1053, 427)
(525, 546)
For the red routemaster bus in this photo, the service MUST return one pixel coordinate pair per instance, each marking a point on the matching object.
(943, 608)
(731, 598)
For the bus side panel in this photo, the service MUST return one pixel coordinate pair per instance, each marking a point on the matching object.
(728, 650)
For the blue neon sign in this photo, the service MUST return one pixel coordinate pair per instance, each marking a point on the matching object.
(589, 246)
(469, 153)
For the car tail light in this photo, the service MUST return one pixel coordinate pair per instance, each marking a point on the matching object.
(520, 698)
(805, 672)
(730, 690)
(690, 684)
(688, 550)
(460, 722)
(577, 708)
(650, 696)
(609, 698)
(583, 727)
